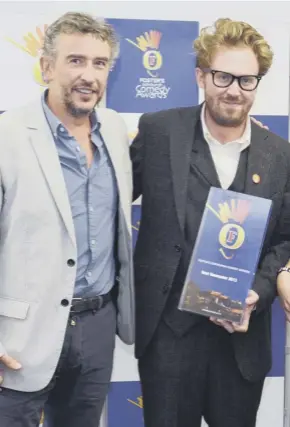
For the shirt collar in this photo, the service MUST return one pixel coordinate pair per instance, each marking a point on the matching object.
(244, 141)
(54, 122)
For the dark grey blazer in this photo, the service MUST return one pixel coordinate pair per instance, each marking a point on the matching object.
(161, 155)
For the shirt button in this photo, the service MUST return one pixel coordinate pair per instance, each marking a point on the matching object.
(64, 302)
(91, 209)
(71, 262)
(78, 149)
(61, 129)
(93, 242)
(89, 273)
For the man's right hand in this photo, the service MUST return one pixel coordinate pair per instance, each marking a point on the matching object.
(283, 287)
(10, 363)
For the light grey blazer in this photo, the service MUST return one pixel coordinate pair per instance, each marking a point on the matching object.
(37, 239)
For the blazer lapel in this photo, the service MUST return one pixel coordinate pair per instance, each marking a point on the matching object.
(45, 150)
(259, 164)
(183, 141)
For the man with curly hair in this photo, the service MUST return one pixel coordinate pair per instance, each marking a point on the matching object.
(192, 366)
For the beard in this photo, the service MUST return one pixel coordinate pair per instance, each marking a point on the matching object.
(228, 115)
(75, 110)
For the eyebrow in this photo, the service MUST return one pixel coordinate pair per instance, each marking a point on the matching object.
(78, 56)
(239, 75)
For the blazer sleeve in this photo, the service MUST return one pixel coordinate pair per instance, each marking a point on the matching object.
(265, 283)
(137, 153)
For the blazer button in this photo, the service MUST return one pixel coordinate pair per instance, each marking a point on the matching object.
(165, 288)
(64, 302)
(177, 248)
(71, 262)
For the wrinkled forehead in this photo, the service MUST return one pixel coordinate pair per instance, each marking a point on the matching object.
(86, 45)
(237, 61)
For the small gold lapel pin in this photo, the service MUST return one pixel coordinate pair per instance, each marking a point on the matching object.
(256, 178)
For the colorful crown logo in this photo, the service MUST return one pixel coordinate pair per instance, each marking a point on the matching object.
(33, 44)
(148, 40)
(149, 44)
(236, 210)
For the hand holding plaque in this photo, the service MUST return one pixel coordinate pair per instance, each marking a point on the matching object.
(231, 327)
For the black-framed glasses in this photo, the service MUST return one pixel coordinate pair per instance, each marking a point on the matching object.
(223, 80)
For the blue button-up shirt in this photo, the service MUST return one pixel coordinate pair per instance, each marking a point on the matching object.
(93, 200)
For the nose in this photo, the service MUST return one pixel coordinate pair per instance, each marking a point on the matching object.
(234, 89)
(89, 73)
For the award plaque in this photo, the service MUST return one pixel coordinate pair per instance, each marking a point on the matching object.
(226, 254)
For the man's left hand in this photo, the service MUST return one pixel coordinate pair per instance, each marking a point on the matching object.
(231, 327)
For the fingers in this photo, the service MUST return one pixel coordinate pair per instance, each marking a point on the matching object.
(286, 308)
(252, 298)
(285, 304)
(9, 362)
(243, 327)
(232, 327)
(215, 321)
(228, 326)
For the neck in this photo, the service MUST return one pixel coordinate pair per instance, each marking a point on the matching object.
(71, 123)
(221, 133)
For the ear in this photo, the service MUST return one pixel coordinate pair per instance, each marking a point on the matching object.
(46, 67)
(199, 78)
